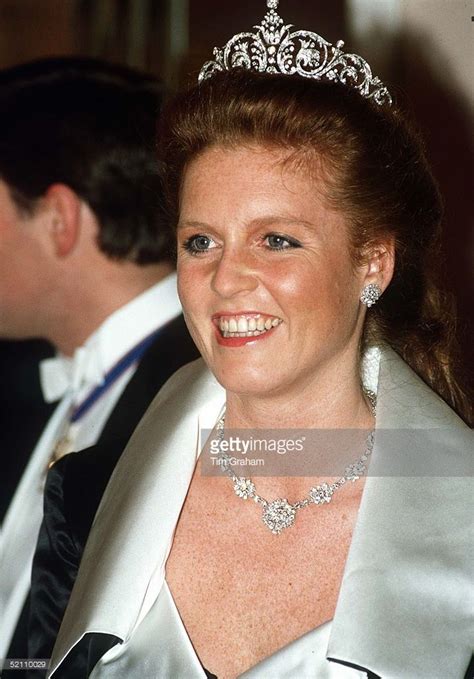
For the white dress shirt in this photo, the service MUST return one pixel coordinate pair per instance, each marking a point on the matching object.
(72, 379)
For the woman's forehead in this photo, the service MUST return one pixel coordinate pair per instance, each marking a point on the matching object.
(252, 182)
(252, 166)
(254, 187)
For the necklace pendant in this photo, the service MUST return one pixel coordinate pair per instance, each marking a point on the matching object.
(321, 494)
(278, 515)
(244, 488)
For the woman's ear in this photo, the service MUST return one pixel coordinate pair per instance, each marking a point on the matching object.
(379, 263)
(64, 216)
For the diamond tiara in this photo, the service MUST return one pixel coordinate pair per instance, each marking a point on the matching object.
(274, 48)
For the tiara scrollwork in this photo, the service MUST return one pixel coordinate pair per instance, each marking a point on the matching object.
(275, 48)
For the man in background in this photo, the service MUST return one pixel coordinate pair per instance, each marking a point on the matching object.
(85, 263)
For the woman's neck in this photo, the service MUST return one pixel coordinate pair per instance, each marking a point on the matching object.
(330, 402)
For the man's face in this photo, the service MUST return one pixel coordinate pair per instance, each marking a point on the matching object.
(22, 259)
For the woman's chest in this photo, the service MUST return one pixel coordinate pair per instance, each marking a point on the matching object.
(242, 592)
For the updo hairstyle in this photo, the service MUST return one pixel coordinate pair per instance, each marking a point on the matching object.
(375, 172)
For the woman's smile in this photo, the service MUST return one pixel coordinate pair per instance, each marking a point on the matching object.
(237, 329)
(267, 283)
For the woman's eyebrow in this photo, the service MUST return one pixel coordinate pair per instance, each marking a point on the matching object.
(281, 219)
(258, 222)
(192, 224)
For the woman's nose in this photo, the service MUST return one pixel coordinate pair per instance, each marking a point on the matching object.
(233, 275)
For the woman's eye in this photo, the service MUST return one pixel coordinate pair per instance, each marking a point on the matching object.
(277, 242)
(198, 243)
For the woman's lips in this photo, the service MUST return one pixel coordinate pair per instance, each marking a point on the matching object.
(241, 328)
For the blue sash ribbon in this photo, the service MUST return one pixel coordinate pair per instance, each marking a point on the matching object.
(131, 357)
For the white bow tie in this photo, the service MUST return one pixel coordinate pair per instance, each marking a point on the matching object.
(61, 375)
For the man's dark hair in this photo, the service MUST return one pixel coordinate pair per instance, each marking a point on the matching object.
(90, 125)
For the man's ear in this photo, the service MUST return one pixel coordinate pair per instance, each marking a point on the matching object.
(379, 263)
(64, 208)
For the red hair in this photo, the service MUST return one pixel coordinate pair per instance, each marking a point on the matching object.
(376, 174)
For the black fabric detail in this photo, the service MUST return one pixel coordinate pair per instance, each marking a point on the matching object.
(54, 568)
(470, 670)
(19, 645)
(23, 411)
(85, 656)
(71, 502)
(82, 659)
(370, 675)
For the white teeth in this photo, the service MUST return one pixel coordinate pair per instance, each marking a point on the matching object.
(253, 333)
(242, 325)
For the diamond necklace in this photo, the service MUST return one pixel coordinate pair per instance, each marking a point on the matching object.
(280, 514)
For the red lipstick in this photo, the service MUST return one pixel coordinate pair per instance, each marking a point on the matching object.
(239, 338)
(240, 341)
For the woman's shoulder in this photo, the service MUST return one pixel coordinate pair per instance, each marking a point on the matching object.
(417, 433)
(405, 400)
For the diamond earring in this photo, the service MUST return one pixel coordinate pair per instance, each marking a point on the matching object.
(370, 294)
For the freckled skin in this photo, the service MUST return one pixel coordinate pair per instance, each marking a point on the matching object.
(312, 288)
(242, 592)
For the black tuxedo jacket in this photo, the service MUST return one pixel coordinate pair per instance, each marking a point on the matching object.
(74, 488)
(172, 348)
(21, 403)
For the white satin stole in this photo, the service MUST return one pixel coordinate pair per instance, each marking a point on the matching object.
(404, 608)
(160, 648)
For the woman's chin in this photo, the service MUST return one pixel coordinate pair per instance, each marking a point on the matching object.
(244, 380)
